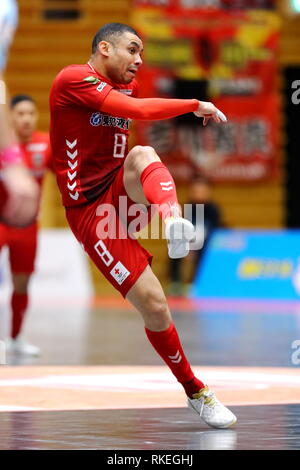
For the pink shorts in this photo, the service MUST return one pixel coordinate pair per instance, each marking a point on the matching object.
(104, 236)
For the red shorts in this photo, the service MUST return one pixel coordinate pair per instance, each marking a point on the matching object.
(22, 244)
(119, 256)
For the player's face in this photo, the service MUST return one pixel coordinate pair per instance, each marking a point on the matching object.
(24, 119)
(124, 58)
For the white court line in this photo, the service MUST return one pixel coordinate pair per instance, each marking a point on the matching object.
(160, 381)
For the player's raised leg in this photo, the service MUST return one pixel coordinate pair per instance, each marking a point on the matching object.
(148, 181)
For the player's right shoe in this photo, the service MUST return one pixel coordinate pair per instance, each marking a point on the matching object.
(211, 410)
(20, 346)
(179, 233)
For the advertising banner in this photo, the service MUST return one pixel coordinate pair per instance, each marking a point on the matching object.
(213, 54)
(250, 265)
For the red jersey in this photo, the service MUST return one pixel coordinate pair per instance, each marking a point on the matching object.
(88, 146)
(36, 155)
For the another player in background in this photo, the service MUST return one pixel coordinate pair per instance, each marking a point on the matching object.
(18, 190)
(91, 107)
(22, 242)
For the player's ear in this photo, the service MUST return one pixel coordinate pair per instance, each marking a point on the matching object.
(104, 47)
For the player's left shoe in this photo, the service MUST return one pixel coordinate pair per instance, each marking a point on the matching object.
(20, 346)
(211, 410)
(179, 233)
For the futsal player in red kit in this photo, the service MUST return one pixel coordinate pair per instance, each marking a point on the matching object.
(91, 107)
(34, 146)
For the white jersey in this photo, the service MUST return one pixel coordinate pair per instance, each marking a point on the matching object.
(8, 23)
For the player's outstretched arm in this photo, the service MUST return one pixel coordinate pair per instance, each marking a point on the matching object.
(150, 109)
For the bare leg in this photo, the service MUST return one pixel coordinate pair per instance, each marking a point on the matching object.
(20, 283)
(148, 297)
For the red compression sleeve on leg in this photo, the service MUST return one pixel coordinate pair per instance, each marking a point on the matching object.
(159, 188)
(147, 109)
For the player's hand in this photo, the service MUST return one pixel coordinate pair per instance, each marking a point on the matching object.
(22, 203)
(208, 111)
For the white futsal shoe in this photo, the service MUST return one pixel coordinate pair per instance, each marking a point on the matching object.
(211, 410)
(20, 346)
(179, 233)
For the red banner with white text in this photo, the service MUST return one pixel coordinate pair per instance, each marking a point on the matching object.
(219, 55)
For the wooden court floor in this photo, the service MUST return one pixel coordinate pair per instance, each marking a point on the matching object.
(99, 384)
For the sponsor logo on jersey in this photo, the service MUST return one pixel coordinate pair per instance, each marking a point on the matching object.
(72, 164)
(101, 86)
(92, 80)
(98, 119)
(95, 81)
(119, 273)
(126, 92)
